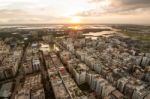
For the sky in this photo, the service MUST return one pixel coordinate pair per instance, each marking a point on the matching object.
(65, 11)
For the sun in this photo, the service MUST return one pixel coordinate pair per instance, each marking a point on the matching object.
(75, 20)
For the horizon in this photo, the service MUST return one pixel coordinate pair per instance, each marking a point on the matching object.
(73, 24)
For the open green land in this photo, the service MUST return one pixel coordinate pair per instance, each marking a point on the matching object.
(137, 36)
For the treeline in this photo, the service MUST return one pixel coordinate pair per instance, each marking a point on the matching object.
(4, 35)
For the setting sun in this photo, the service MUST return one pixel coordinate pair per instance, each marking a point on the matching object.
(75, 20)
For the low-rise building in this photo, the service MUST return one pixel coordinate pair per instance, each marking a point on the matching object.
(23, 94)
(6, 90)
(9, 64)
(32, 88)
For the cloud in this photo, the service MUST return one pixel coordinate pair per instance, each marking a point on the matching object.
(124, 5)
(132, 2)
(107, 7)
(19, 16)
(12, 11)
(93, 1)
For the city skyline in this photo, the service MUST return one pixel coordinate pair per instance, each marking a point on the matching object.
(75, 11)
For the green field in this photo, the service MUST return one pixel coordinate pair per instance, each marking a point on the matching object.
(137, 36)
(144, 40)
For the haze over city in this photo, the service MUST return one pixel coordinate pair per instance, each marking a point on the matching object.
(75, 11)
(74, 49)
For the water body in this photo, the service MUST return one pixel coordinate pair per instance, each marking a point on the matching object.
(95, 35)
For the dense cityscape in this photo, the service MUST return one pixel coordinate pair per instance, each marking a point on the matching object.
(74, 62)
(74, 49)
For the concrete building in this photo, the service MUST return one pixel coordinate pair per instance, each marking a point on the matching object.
(45, 48)
(23, 94)
(140, 93)
(33, 82)
(107, 90)
(39, 94)
(65, 56)
(27, 67)
(31, 61)
(58, 87)
(79, 73)
(6, 90)
(36, 63)
(117, 95)
(64, 77)
(121, 83)
(32, 88)
(9, 64)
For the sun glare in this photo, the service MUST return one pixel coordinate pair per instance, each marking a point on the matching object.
(75, 20)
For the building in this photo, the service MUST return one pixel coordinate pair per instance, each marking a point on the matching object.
(23, 94)
(45, 48)
(32, 88)
(6, 90)
(9, 63)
